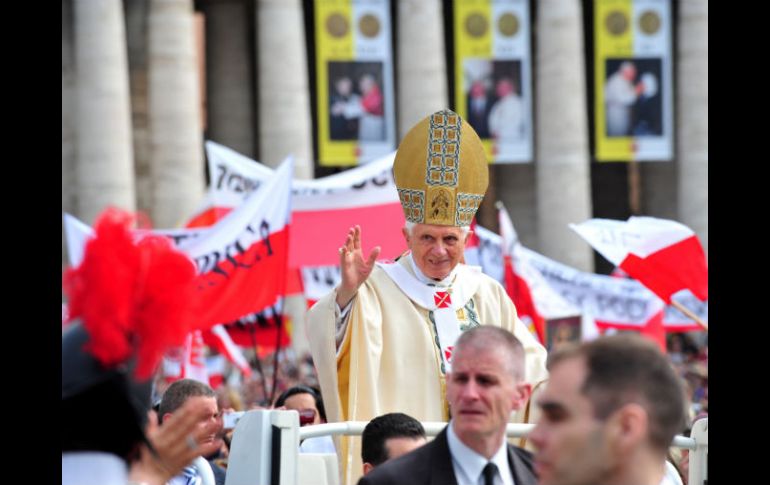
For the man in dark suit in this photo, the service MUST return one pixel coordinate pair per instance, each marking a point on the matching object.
(479, 105)
(484, 386)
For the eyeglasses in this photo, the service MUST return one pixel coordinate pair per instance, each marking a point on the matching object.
(306, 416)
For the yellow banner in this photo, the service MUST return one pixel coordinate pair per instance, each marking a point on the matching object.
(614, 72)
(334, 43)
(473, 47)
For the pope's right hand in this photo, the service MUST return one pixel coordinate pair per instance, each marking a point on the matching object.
(353, 267)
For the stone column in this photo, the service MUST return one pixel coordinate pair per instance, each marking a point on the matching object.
(68, 107)
(104, 171)
(176, 141)
(229, 85)
(421, 75)
(692, 130)
(136, 36)
(561, 142)
(284, 93)
(659, 189)
(516, 189)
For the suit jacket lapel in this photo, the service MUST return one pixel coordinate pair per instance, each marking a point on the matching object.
(518, 468)
(442, 470)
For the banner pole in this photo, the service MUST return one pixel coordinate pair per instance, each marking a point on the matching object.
(690, 314)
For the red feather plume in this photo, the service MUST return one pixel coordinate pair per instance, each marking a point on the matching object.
(132, 296)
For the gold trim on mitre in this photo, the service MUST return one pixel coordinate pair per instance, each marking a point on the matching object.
(441, 171)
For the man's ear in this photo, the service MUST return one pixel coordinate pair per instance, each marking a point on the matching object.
(405, 232)
(628, 426)
(368, 467)
(521, 396)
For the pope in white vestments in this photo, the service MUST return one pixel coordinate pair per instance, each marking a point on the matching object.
(382, 340)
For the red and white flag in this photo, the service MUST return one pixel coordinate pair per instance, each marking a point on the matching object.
(515, 284)
(219, 339)
(655, 331)
(265, 331)
(323, 209)
(548, 301)
(194, 361)
(663, 255)
(187, 361)
(242, 260)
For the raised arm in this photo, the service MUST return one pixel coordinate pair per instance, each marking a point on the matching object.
(354, 269)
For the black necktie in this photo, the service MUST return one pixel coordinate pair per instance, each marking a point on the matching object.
(489, 473)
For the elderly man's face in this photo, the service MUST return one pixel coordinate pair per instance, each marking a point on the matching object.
(572, 445)
(436, 249)
(482, 392)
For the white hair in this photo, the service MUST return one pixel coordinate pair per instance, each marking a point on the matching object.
(409, 225)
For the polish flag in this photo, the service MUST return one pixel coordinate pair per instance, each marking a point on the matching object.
(194, 361)
(323, 209)
(265, 331)
(242, 260)
(655, 331)
(673, 319)
(515, 284)
(219, 339)
(207, 214)
(663, 255)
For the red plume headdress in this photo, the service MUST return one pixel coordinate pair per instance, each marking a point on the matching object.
(132, 294)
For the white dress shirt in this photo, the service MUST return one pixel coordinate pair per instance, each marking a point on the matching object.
(93, 468)
(468, 465)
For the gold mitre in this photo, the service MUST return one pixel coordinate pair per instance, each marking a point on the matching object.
(441, 171)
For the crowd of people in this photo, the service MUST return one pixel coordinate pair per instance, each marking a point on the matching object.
(423, 338)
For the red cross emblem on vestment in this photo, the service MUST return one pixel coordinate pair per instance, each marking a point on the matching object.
(442, 299)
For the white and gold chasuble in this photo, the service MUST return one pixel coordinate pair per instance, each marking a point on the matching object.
(390, 358)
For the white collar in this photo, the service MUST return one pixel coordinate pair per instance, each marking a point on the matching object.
(430, 281)
(92, 468)
(471, 464)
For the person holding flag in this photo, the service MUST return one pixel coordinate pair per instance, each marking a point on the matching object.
(382, 340)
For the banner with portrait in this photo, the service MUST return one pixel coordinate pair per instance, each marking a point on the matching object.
(354, 81)
(493, 82)
(632, 83)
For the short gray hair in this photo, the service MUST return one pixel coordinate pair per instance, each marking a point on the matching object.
(487, 338)
(409, 225)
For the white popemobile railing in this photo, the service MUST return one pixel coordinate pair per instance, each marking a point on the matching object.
(265, 449)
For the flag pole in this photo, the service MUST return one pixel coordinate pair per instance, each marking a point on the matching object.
(690, 314)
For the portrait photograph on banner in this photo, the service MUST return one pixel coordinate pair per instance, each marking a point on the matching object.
(356, 101)
(642, 117)
(633, 110)
(354, 81)
(492, 75)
